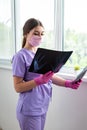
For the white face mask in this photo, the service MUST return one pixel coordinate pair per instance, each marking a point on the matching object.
(35, 40)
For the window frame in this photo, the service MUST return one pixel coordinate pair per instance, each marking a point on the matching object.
(58, 24)
(15, 5)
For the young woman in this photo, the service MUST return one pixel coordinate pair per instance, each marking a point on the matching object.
(35, 89)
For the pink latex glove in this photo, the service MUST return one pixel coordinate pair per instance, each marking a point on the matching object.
(42, 79)
(71, 84)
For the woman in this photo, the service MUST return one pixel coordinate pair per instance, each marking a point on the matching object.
(35, 89)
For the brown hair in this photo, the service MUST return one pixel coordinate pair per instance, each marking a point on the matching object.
(28, 26)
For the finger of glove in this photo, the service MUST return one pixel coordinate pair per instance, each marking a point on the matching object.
(47, 77)
(80, 81)
(77, 83)
(75, 86)
(48, 74)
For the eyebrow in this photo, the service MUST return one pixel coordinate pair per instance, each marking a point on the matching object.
(38, 32)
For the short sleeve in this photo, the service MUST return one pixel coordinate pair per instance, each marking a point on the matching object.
(18, 65)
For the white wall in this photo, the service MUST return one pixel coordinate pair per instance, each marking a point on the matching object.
(8, 100)
(67, 111)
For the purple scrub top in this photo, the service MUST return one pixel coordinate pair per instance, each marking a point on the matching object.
(36, 101)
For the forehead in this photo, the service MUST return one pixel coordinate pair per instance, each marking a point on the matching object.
(38, 29)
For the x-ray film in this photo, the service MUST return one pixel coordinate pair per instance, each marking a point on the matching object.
(48, 60)
(81, 74)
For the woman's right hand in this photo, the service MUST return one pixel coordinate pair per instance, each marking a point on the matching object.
(42, 79)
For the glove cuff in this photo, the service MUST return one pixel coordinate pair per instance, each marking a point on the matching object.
(68, 83)
(37, 81)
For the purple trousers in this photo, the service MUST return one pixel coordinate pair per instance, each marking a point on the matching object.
(31, 122)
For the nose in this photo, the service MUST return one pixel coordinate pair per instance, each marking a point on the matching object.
(40, 35)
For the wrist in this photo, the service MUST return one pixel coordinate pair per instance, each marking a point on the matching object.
(68, 83)
(36, 81)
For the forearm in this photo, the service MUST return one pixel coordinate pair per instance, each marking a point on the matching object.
(58, 80)
(65, 83)
(23, 86)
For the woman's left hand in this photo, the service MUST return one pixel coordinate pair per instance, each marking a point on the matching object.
(71, 84)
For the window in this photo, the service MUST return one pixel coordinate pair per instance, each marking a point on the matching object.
(42, 10)
(6, 37)
(64, 21)
(75, 31)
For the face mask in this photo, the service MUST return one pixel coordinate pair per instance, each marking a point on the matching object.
(35, 40)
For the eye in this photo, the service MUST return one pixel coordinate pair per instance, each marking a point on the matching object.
(36, 34)
(42, 34)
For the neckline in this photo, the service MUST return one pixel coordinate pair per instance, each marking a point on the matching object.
(28, 50)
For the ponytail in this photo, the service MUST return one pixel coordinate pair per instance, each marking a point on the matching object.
(23, 42)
